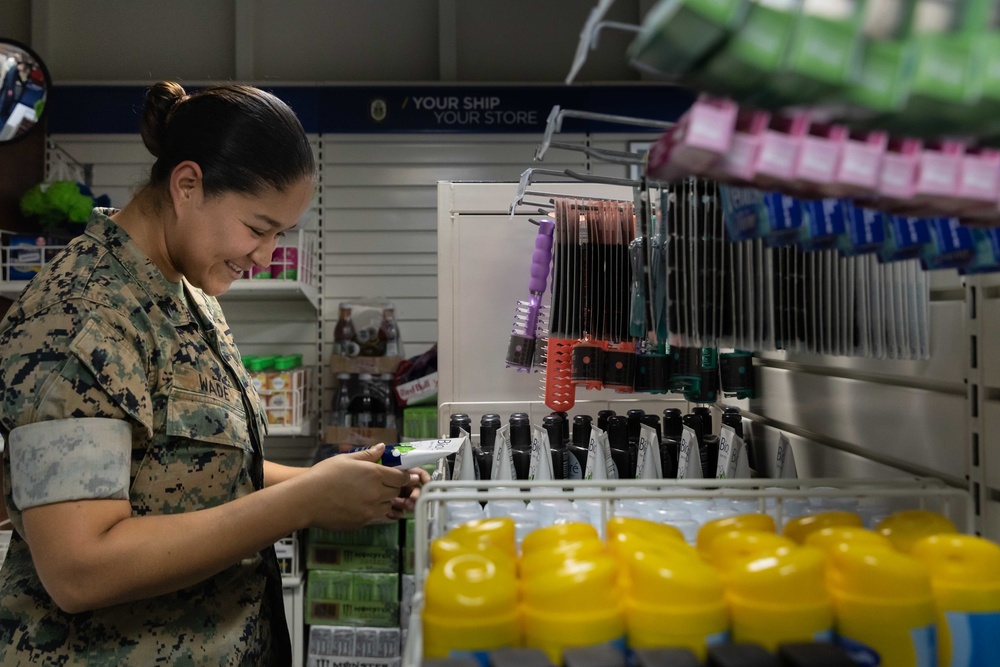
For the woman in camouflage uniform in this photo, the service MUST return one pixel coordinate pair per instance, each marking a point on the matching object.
(144, 512)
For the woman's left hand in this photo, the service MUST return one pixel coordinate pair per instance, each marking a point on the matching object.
(408, 494)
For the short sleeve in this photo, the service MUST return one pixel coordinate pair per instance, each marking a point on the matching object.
(59, 369)
(69, 459)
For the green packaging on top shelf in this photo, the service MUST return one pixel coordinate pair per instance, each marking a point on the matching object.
(755, 52)
(881, 85)
(944, 88)
(677, 34)
(822, 58)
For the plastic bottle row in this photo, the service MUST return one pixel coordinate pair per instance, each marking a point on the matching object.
(364, 401)
(912, 592)
(570, 446)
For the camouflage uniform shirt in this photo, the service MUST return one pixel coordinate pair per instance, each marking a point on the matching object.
(124, 385)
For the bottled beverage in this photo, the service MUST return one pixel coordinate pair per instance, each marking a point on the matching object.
(580, 446)
(341, 401)
(366, 410)
(560, 454)
(345, 341)
(489, 424)
(618, 442)
(457, 423)
(388, 334)
(390, 400)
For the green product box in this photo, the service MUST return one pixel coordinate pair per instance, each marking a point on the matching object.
(409, 560)
(382, 535)
(823, 57)
(372, 614)
(410, 529)
(944, 86)
(881, 84)
(755, 52)
(420, 422)
(357, 559)
(337, 586)
(677, 34)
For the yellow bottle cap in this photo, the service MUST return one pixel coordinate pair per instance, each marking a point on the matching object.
(578, 604)
(444, 548)
(542, 539)
(651, 529)
(541, 561)
(625, 546)
(498, 531)
(578, 586)
(906, 527)
(752, 521)
(728, 550)
(779, 597)
(832, 537)
(470, 604)
(964, 570)
(799, 528)
(876, 575)
(674, 602)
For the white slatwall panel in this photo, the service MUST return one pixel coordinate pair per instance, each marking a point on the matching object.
(273, 326)
(379, 213)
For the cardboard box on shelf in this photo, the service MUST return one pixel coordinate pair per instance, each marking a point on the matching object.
(347, 437)
(374, 365)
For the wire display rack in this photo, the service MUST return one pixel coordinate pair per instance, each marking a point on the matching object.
(772, 496)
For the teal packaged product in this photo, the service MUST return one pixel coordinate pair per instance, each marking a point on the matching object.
(865, 231)
(822, 225)
(905, 236)
(951, 245)
(742, 212)
(677, 34)
(987, 257)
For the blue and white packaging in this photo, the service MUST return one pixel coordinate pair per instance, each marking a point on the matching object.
(743, 212)
(951, 245)
(822, 224)
(987, 257)
(904, 238)
(864, 233)
(784, 218)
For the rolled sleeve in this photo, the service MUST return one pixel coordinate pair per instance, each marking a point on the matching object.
(70, 459)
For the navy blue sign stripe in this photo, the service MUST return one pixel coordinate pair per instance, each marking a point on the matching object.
(394, 109)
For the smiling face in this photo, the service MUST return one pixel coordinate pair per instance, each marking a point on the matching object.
(215, 239)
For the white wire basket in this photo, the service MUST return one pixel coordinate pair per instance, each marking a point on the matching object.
(605, 499)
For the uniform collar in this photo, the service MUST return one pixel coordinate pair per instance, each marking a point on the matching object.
(169, 296)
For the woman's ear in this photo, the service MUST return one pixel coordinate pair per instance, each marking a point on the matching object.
(185, 185)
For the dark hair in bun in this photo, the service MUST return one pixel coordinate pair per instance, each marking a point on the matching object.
(244, 139)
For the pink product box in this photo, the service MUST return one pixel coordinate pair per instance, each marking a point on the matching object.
(861, 163)
(899, 170)
(659, 164)
(739, 164)
(979, 181)
(938, 168)
(780, 146)
(819, 159)
(703, 134)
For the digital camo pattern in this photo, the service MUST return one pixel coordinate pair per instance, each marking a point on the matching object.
(50, 474)
(100, 333)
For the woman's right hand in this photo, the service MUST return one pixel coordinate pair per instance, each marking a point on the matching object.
(349, 491)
